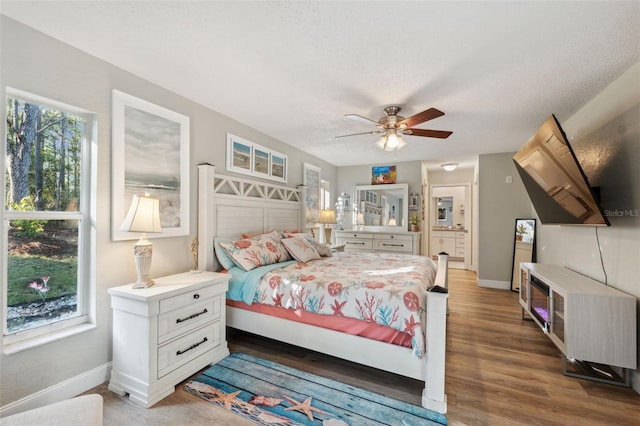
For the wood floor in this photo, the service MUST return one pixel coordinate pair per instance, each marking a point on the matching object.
(500, 370)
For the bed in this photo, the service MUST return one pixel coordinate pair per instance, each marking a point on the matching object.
(229, 207)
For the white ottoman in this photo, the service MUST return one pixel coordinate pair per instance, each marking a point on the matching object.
(84, 410)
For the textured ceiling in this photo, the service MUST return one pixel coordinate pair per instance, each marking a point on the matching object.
(294, 69)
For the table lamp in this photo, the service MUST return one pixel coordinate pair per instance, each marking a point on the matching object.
(143, 216)
(327, 217)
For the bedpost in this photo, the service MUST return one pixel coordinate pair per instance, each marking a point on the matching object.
(206, 222)
(433, 396)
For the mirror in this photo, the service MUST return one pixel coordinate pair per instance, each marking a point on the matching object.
(524, 248)
(381, 207)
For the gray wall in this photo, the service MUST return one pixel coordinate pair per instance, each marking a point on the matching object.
(499, 204)
(605, 135)
(38, 64)
(406, 172)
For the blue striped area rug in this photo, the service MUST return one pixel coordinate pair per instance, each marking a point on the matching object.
(268, 393)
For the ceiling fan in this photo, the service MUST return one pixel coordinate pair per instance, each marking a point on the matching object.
(393, 126)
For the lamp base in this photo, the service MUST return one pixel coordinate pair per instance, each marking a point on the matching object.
(327, 234)
(143, 284)
(143, 250)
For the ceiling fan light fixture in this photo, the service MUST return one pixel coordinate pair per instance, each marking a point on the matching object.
(393, 140)
(449, 166)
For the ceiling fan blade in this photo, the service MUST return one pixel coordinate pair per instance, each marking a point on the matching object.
(361, 119)
(421, 117)
(440, 134)
(358, 134)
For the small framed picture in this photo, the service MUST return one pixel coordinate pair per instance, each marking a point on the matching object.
(278, 167)
(239, 153)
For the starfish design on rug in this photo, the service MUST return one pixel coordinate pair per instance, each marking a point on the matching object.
(227, 399)
(305, 407)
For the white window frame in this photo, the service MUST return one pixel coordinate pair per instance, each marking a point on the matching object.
(86, 241)
(325, 194)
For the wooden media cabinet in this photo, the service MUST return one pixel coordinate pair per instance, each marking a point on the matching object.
(592, 324)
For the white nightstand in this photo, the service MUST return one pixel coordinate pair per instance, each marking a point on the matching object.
(165, 333)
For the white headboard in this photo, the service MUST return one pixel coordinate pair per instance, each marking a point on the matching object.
(229, 206)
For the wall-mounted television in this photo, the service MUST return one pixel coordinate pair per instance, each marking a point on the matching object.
(556, 184)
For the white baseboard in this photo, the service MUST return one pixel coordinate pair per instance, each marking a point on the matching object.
(502, 285)
(60, 391)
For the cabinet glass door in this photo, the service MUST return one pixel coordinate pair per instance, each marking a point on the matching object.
(524, 287)
(557, 319)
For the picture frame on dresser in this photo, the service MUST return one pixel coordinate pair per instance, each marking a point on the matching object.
(150, 154)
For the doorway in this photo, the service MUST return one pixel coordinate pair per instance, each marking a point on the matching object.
(449, 219)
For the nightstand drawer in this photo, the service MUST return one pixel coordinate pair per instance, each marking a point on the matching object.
(172, 324)
(187, 298)
(182, 350)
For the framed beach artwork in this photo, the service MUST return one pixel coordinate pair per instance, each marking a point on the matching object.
(248, 158)
(311, 179)
(150, 155)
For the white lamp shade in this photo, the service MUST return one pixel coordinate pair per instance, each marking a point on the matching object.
(327, 216)
(143, 216)
(391, 141)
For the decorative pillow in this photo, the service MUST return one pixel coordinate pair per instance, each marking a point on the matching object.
(300, 249)
(223, 258)
(263, 249)
(323, 249)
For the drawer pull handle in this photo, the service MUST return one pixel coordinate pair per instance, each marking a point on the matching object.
(195, 345)
(179, 320)
(356, 243)
(196, 296)
(392, 245)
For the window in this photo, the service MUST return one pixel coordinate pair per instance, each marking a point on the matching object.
(325, 195)
(46, 226)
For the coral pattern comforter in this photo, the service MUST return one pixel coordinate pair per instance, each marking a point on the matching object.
(387, 289)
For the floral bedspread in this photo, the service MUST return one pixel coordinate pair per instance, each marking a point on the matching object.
(381, 288)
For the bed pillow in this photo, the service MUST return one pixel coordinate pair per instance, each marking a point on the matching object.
(223, 258)
(300, 249)
(323, 250)
(263, 249)
(282, 234)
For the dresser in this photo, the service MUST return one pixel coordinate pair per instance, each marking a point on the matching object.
(379, 242)
(166, 333)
